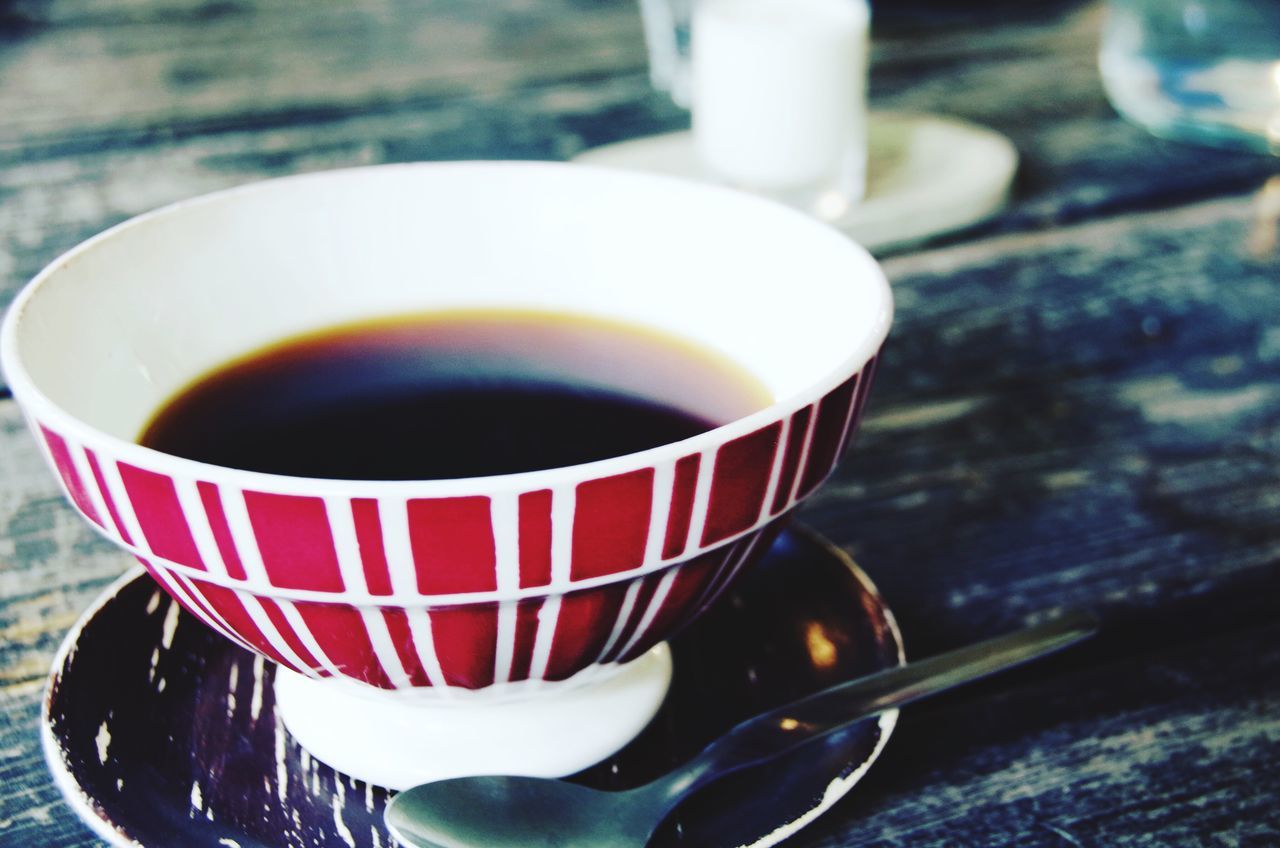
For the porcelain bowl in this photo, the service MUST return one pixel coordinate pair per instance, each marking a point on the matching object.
(469, 584)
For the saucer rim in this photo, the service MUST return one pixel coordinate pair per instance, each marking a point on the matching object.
(75, 796)
(888, 720)
(97, 821)
(876, 222)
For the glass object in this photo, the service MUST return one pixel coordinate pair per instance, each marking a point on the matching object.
(777, 89)
(1206, 71)
(666, 34)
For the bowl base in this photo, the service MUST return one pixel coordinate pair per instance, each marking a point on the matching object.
(399, 742)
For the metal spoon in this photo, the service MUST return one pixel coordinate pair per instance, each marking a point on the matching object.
(533, 812)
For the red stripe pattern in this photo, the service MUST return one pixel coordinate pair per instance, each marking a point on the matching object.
(66, 469)
(295, 541)
(525, 636)
(453, 545)
(797, 437)
(159, 513)
(101, 483)
(535, 538)
(465, 591)
(742, 471)
(373, 553)
(466, 643)
(611, 524)
(828, 433)
(681, 510)
(397, 622)
(586, 619)
(212, 502)
(339, 631)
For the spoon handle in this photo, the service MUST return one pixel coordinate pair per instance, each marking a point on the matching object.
(776, 732)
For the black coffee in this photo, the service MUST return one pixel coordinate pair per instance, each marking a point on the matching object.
(452, 395)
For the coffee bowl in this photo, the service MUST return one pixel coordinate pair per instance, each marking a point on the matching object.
(430, 628)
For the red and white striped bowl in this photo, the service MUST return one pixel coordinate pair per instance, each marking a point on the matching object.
(465, 583)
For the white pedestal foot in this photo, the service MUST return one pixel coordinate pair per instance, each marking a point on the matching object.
(403, 738)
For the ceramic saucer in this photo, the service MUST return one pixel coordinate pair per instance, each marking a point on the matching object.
(926, 174)
(161, 733)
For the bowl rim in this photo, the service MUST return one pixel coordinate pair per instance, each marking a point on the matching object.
(47, 412)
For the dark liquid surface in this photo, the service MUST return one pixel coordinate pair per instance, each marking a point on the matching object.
(446, 396)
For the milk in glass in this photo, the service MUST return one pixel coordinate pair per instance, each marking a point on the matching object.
(779, 97)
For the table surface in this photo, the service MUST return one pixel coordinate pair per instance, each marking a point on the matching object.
(1079, 405)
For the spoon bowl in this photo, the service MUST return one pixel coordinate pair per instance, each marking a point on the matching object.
(521, 812)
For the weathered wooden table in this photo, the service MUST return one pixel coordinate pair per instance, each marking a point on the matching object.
(1079, 404)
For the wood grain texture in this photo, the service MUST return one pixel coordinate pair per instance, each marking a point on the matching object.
(1175, 746)
(108, 116)
(1083, 417)
(1079, 404)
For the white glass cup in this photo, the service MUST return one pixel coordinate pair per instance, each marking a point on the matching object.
(1203, 71)
(777, 89)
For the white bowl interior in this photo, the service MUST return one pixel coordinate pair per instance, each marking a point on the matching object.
(116, 327)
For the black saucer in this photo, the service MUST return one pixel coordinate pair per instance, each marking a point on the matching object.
(161, 733)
